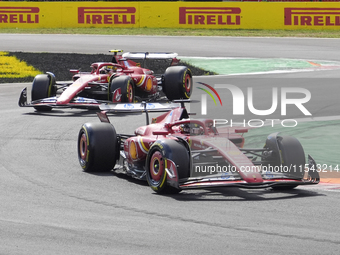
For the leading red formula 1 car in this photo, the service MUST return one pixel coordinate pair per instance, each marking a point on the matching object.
(175, 153)
(121, 80)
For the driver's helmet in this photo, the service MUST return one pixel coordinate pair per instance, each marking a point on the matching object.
(107, 69)
(197, 130)
(185, 128)
(103, 70)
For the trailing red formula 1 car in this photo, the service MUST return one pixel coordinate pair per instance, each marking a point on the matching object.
(121, 80)
(175, 153)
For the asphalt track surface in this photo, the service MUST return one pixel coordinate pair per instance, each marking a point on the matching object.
(49, 206)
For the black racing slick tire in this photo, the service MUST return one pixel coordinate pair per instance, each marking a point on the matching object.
(156, 162)
(98, 147)
(177, 83)
(293, 159)
(125, 83)
(43, 87)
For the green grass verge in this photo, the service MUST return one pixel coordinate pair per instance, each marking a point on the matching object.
(180, 32)
(320, 139)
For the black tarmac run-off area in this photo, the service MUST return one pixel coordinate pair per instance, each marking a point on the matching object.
(60, 64)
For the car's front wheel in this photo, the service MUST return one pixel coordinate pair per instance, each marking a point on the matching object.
(290, 159)
(43, 87)
(158, 159)
(121, 89)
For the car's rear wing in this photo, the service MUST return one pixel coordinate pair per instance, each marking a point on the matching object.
(134, 108)
(139, 108)
(150, 55)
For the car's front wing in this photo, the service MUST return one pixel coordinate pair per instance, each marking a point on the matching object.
(77, 102)
(218, 182)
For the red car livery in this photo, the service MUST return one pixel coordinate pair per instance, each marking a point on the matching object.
(175, 153)
(121, 80)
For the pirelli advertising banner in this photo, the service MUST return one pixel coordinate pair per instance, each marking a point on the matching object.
(219, 15)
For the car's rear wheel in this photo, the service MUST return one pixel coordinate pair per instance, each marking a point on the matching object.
(43, 87)
(127, 90)
(156, 163)
(177, 83)
(292, 159)
(98, 147)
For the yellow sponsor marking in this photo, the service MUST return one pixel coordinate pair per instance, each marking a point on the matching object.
(88, 144)
(141, 81)
(143, 145)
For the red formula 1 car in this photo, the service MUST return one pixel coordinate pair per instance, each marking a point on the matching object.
(175, 153)
(121, 80)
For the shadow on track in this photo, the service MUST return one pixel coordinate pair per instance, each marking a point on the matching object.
(121, 176)
(220, 194)
(239, 194)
